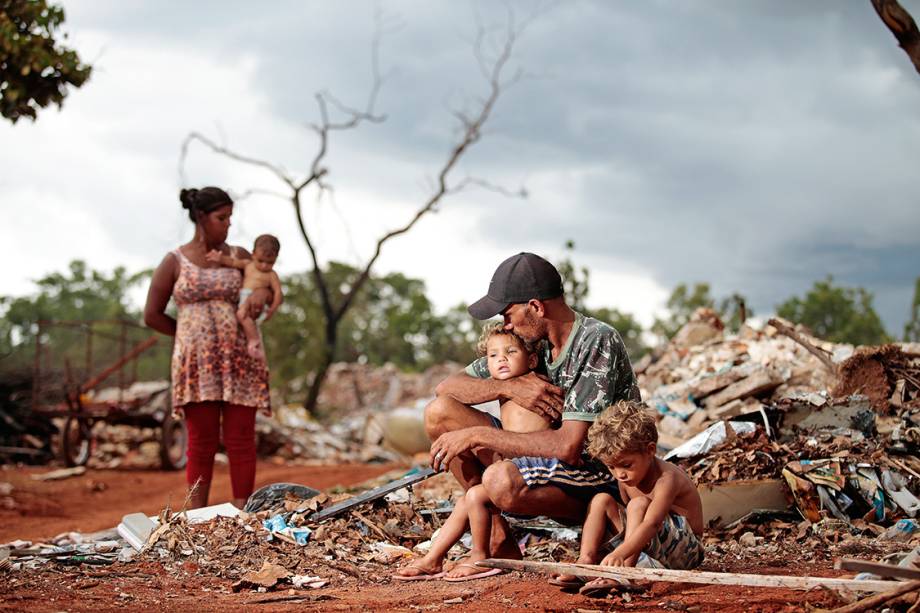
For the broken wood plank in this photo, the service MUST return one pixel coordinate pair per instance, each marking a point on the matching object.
(758, 382)
(819, 353)
(714, 383)
(874, 601)
(692, 576)
(877, 568)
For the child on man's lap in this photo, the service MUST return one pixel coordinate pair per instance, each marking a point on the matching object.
(507, 356)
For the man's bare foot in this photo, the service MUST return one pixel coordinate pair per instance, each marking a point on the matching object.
(254, 349)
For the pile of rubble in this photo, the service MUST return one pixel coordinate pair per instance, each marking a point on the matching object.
(833, 428)
(279, 546)
(374, 414)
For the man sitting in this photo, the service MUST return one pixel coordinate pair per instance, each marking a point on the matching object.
(584, 369)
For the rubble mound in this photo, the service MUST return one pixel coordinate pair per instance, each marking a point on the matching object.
(874, 372)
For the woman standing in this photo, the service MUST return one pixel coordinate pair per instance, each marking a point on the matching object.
(216, 385)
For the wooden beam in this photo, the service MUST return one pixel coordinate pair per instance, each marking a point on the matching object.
(904, 587)
(877, 568)
(903, 27)
(819, 353)
(692, 576)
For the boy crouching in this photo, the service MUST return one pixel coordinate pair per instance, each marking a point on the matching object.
(661, 522)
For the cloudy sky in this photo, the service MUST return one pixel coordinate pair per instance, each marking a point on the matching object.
(758, 146)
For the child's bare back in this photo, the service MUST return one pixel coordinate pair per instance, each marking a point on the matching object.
(673, 481)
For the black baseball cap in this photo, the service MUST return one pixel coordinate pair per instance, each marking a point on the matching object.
(520, 278)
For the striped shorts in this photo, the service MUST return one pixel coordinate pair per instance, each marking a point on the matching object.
(583, 481)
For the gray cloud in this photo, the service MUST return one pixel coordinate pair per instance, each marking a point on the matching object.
(759, 146)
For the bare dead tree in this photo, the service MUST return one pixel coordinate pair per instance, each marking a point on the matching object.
(493, 68)
(902, 25)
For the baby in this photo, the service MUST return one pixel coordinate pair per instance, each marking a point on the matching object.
(257, 275)
(507, 356)
(662, 508)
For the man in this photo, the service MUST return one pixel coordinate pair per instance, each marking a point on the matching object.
(585, 369)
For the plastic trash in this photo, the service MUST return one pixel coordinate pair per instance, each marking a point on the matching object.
(272, 496)
(902, 530)
(709, 439)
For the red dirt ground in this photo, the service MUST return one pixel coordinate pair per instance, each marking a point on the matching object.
(84, 504)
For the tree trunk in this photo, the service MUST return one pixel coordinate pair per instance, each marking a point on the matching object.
(902, 25)
(328, 358)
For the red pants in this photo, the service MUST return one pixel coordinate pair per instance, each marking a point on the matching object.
(239, 434)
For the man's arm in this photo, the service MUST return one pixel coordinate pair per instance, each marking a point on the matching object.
(566, 443)
(663, 495)
(530, 391)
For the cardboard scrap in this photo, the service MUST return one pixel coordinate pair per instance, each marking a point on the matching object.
(267, 576)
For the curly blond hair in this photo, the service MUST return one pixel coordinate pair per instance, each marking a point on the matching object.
(495, 328)
(624, 427)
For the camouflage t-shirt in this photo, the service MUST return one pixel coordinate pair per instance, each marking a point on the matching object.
(592, 369)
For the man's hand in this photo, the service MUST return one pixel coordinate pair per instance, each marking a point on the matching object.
(535, 393)
(449, 445)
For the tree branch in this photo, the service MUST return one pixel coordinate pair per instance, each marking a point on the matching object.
(195, 136)
(902, 25)
(472, 133)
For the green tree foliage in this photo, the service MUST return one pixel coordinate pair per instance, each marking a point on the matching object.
(681, 305)
(391, 320)
(912, 328)
(35, 70)
(684, 301)
(837, 314)
(734, 311)
(78, 296)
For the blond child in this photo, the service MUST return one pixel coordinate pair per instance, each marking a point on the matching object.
(507, 356)
(661, 521)
(258, 274)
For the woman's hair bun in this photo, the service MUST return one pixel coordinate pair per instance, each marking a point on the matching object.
(187, 197)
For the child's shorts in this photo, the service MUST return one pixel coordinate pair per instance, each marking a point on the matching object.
(676, 546)
(583, 481)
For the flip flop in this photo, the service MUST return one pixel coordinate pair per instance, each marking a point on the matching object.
(602, 587)
(489, 572)
(422, 576)
(573, 583)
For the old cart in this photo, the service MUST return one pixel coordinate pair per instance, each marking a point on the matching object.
(68, 384)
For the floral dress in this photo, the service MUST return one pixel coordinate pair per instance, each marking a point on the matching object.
(210, 361)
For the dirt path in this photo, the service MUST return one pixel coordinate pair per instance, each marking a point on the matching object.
(98, 499)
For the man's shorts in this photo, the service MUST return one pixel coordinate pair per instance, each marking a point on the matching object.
(584, 481)
(675, 546)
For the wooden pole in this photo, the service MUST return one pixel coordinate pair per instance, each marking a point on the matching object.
(879, 599)
(125, 358)
(815, 351)
(877, 568)
(692, 576)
